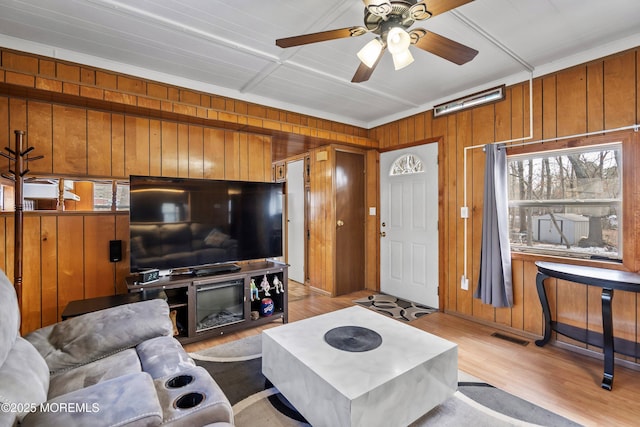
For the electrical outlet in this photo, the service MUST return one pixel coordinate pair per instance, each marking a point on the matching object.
(464, 212)
(464, 283)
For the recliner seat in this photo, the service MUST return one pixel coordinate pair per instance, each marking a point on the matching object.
(114, 367)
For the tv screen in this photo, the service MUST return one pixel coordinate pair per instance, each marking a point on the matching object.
(180, 223)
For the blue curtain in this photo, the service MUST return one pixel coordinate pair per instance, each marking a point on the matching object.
(495, 284)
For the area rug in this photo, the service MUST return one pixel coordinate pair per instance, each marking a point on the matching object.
(397, 308)
(237, 366)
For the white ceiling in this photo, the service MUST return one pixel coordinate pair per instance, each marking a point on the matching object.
(228, 47)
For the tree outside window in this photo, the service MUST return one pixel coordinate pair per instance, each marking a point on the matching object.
(567, 202)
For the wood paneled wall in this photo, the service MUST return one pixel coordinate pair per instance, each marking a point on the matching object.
(66, 257)
(93, 123)
(66, 254)
(82, 142)
(37, 77)
(599, 95)
(90, 122)
(322, 220)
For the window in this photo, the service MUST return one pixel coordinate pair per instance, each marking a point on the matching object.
(567, 202)
(408, 163)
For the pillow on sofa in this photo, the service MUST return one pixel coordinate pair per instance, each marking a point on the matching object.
(216, 238)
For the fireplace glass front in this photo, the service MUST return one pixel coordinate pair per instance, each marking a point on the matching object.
(219, 304)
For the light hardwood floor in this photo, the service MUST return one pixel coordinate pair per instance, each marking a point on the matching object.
(554, 378)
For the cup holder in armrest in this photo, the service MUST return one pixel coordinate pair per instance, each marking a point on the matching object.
(189, 400)
(187, 397)
(179, 381)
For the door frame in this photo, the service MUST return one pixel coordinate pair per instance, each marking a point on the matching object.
(304, 213)
(304, 157)
(442, 220)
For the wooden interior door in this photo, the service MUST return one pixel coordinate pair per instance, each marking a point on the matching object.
(350, 221)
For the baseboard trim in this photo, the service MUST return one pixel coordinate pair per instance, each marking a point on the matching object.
(559, 344)
(503, 328)
(320, 291)
(594, 354)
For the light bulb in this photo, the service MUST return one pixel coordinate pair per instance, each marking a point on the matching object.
(398, 40)
(370, 52)
(402, 59)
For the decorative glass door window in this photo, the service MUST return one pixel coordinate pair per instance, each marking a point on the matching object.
(406, 164)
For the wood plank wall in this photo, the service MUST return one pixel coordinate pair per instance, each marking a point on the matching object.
(66, 254)
(603, 94)
(322, 220)
(80, 84)
(114, 142)
(89, 122)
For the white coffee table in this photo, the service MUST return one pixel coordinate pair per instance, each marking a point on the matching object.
(394, 384)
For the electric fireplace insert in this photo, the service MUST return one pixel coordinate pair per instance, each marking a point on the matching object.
(219, 304)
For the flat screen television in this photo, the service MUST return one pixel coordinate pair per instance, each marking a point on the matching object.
(186, 225)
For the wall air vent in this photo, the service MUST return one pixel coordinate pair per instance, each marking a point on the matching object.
(509, 338)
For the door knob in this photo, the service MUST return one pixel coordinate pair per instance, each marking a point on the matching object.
(383, 234)
(340, 223)
(384, 224)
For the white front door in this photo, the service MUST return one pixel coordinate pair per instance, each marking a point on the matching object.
(295, 220)
(409, 225)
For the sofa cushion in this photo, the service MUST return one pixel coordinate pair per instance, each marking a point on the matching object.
(24, 378)
(163, 356)
(127, 400)
(92, 336)
(9, 316)
(123, 363)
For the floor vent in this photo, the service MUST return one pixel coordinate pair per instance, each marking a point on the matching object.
(510, 338)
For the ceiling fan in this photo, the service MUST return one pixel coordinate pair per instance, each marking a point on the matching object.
(390, 20)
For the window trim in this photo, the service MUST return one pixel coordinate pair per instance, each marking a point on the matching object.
(569, 148)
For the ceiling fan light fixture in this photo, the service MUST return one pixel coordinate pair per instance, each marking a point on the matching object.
(370, 52)
(398, 40)
(402, 59)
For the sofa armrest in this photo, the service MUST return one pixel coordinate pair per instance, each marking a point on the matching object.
(129, 400)
(192, 398)
(92, 336)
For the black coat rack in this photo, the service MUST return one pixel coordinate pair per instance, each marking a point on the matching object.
(20, 160)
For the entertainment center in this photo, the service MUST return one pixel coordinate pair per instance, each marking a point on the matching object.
(204, 246)
(207, 306)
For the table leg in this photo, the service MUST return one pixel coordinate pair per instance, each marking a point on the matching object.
(607, 338)
(542, 294)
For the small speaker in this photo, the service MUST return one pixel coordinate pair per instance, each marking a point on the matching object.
(115, 250)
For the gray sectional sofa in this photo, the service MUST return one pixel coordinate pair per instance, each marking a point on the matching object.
(114, 367)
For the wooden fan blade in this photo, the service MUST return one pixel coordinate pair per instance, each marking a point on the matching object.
(363, 73)
(444, 47)
(321, 36)
(436, 7)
